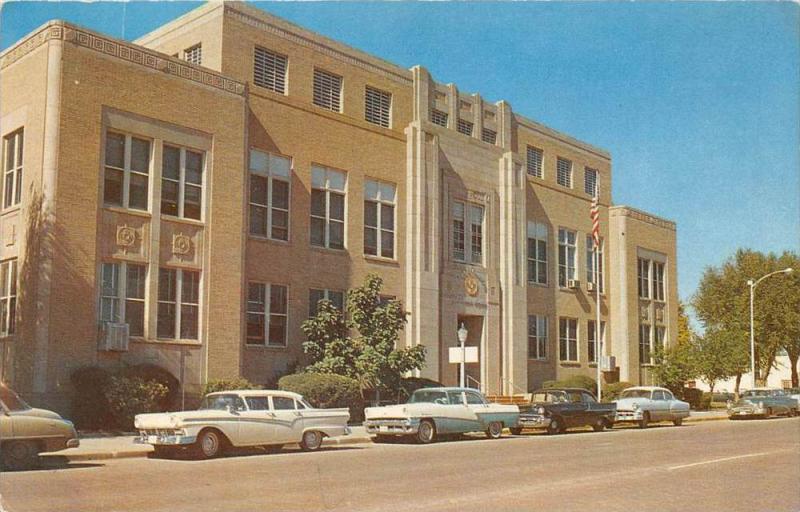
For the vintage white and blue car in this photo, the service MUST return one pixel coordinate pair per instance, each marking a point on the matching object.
(646, 404)
(242, 418)
(434, 412)
(762, 402)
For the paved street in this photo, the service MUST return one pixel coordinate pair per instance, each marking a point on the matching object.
(721, 465)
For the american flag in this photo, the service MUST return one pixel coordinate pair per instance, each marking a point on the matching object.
(594, 214)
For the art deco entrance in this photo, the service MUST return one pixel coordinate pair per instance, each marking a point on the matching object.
(474, 326)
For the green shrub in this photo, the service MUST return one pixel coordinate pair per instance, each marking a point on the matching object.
(410, 384)
(128, 397)
(613, 390)
(89, 405)
(156, 373)
(574, 381)
(694, 397)
(327, 391)
(215, 385)
(705, 401)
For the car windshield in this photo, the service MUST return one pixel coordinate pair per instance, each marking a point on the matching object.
(220, 402)
(11, 400)
(636, 393)
(550, 397)
(755, 393)
(427, 396)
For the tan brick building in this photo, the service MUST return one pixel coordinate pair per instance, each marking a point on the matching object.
(184, 200)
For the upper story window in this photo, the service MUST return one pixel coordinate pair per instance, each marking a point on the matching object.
(178, 304)
(269, 195)
(568, 339)
(593, 351)
(269, 70)
(567, 252)
(535, 161)
(327, 90)
(489, 136)
(334, 296)
(327, 207)
(194, 55)
(439, 117)
(12, 170)
(643, 278)
(379, 215)
(122, 295)
(377, 106)
(590, 272)
(658, 281)
(8, 297)
(564, 172)
(537, 253)
(645, 344)
(127, 171)
(181, 182)
(537, 337)
(467, 226)
(465, 127)
(267, 314)
(590, 181)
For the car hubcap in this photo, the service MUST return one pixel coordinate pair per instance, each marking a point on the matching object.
(312, 440)
(425, 431)
(494, 428)
(210, 444)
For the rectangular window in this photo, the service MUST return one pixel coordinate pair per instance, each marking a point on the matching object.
(178, 304)
(489, 136)
(267, 314)
(590, 272)
(537, 337)
(8, 297)
(12, 170)
(377, 106)
(327, 207)
(122, 295)
(465, 127)
(269, 70)
(379, 202)
(127, 171)
(567, 251)
(592, 352)
(660, 334)
(194, 55)
(564, 172)
(645, 355)
(314, 296)
(535, 161)
(658, 281)
(439, 117)
(568, 339)
(590, 181)
(327, 90)
(467, 226)
(537, 253)
(182, 182)
(269, 195)
(643, 274)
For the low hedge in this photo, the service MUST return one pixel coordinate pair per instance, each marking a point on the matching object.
(613, 390)
(215, 385)
(129, 396)
(575, 381)
(694, 397)
(90, 410)
(327, 391)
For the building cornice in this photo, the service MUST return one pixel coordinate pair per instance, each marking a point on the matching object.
(122, 50)
(561, 137)
(627, 211)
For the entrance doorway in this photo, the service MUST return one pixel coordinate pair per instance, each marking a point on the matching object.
(474, 326)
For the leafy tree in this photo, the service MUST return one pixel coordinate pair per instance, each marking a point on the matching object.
(787, 308)
(370, 356)
(677, 364)
(719, 355)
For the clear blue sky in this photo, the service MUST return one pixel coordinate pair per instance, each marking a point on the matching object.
(697, 102)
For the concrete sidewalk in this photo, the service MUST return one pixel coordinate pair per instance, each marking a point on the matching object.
(98, 447)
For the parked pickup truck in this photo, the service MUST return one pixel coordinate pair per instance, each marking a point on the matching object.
(557, 409)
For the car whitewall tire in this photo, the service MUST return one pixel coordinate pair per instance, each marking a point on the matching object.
(19, 455)
(426, 432)
(209, 444)
(312, 440)
(495, 430)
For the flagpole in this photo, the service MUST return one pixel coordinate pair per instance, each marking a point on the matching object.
(598, 336)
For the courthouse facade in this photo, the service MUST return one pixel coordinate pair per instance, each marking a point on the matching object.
(186, 199)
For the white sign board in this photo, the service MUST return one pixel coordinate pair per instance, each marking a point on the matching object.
(470, 354)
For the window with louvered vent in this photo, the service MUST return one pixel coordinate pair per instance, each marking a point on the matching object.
(194, 55)
(489, 136)
(439, 117)
(327, 90)
(564, 172)
(535, 159)
(590, 181)
(465, 127)
(269, 70)
(377, 106)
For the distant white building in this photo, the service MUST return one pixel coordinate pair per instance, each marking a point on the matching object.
(779, 377)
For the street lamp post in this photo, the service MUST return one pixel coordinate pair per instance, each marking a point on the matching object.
(462, 339)
(752, 284)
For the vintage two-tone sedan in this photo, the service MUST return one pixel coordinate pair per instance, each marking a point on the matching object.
(557, 409)
(434, 412)
(26, 431)
(646, 404)
(762, 402)
(242, 418)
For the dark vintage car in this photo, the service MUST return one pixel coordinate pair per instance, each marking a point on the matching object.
(557, 409)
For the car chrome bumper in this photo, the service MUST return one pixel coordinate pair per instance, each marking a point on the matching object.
(534, 421)
(622, 416)
(165, 439)
(73, 443)
(746, 412)
(391, 427)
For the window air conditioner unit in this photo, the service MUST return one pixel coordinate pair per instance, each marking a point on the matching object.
(115, 337)
(590, 286)
(609, 363)
(573, 283)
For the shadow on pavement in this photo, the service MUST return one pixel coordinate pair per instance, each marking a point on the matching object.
(52, 462)
(186, 455)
